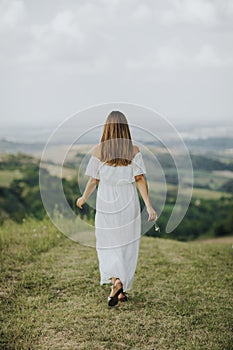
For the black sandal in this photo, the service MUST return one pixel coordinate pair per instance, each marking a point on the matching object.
(112, 301)
(124, 299)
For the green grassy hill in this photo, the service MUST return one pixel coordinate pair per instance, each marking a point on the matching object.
(51, 297)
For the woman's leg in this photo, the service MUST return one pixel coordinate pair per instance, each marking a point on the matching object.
(116, 285)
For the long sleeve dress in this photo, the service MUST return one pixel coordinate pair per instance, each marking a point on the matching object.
(117, 218)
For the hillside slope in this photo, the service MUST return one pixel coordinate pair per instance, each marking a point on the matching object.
(51, 297)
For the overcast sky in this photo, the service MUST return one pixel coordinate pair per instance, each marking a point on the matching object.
(57, 57)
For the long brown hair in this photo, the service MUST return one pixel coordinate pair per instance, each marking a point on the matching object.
(116, 142)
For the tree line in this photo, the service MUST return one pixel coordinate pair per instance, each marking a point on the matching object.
(22, 199)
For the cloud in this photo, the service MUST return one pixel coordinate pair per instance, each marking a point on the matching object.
(65, 39)
(101, 49)
(14, 32)
(105, 35)
(205, 13)
(60, 39)
(208, 57)
(11, 13)
(189, 11)
(175, 56)
(86, 35)
(65, 23)
(141, 13)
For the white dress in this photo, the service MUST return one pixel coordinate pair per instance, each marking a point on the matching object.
(117, 218)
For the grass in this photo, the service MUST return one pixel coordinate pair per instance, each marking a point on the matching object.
(214, 181)
(6, 176)
(56, 170)
(51, 297)
(200, 193)
(209, 194)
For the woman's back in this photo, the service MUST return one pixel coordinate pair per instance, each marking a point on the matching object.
(115, 175)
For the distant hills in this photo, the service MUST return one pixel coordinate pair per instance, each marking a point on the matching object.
(15, 147)
(213, 144)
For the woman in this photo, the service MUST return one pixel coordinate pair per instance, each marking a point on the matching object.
(116, 166)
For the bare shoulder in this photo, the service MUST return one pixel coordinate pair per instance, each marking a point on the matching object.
(135, 149)
(96, 151)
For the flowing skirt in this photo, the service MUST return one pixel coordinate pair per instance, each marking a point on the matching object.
(118, 231)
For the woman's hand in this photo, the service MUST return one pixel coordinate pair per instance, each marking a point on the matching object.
(80, 201)
(152, 214)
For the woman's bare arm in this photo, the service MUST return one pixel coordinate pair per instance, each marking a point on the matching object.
(90, 187)
(92, 182)
(143, 189)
